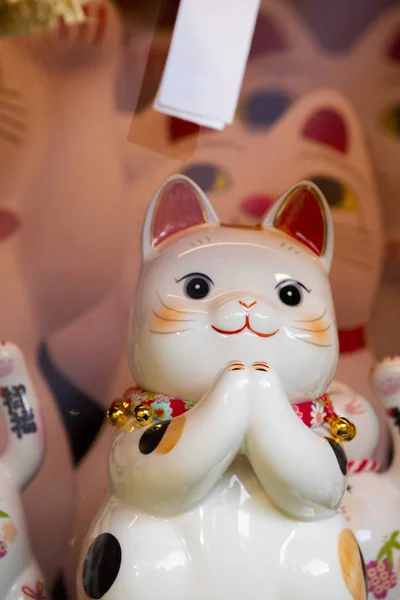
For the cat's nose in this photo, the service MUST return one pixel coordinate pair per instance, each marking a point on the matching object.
(247, 304)
(257, 205)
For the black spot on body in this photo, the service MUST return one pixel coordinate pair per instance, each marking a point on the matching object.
(101, 566)
(364, 571)
(152, 437)
(340, 455)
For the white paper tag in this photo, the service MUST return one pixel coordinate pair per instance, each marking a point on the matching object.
(207, 59)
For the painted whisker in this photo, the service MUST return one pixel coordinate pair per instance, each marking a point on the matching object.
(313, 330)
(311, 320)
(172, 320)
(298, 337)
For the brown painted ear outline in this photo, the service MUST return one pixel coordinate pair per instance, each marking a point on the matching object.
(178, 204)
(303, 214)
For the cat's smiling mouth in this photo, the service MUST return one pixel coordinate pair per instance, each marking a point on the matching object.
(245, 326)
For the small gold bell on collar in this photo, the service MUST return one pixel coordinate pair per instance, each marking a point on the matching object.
(342, 429)
(143, 414)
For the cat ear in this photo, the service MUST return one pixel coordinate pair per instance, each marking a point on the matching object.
(280, 29)
(303, 214)
(380, 45)
(178, 204)
(326, 121)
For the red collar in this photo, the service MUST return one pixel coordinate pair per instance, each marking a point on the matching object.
(313, 413)
(351, 340)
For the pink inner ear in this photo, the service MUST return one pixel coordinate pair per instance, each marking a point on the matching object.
(303, 218)
(326, 126)
(394, 48)
(179, 207)
(267, 37)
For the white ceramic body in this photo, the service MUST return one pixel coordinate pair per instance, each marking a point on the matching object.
(239, 483)
(18, 464)
(233, 543)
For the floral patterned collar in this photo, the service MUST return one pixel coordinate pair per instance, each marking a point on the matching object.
(313, 413)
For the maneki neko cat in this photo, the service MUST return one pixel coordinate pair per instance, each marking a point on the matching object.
(237, 169)
(20, 577)
(237, 494)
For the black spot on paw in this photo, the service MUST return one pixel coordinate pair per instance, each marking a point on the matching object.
(101, 566)
(340, 455)
(364, 570)
(152, 437)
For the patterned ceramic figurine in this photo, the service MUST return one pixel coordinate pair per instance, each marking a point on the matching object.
(239, 322)
(20, 577)
(371, 504)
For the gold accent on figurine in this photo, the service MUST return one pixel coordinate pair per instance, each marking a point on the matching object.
(342, 429)
(257, 227)
(143, 414)
(172, 435)
(123, 416)
(117, 416)
(23, 17)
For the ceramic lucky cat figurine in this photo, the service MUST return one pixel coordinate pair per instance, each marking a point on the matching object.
(239, 321)
(20, 577)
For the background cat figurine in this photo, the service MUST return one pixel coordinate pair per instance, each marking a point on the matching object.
(371, 504)
(228, 339)
(290, 61)
(19, 463)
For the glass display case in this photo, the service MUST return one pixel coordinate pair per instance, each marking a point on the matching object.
(196, 321)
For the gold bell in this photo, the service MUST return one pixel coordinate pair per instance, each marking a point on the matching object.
(143, 414)
(23, 17)
(117, 416)
(343, 429)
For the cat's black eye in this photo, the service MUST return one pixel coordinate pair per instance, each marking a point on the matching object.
(291, 292)
(331, 189)
(262, 108)
(197, 285)
(337, 194)
(210, 177)
(391, 120)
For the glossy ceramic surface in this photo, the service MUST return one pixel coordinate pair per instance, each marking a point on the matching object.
(239, 321)
(20, 577)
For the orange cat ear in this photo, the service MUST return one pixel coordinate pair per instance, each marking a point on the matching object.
(302, 213)
(178, 204)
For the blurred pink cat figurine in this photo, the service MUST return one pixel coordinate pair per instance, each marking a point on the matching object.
(240, 322)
